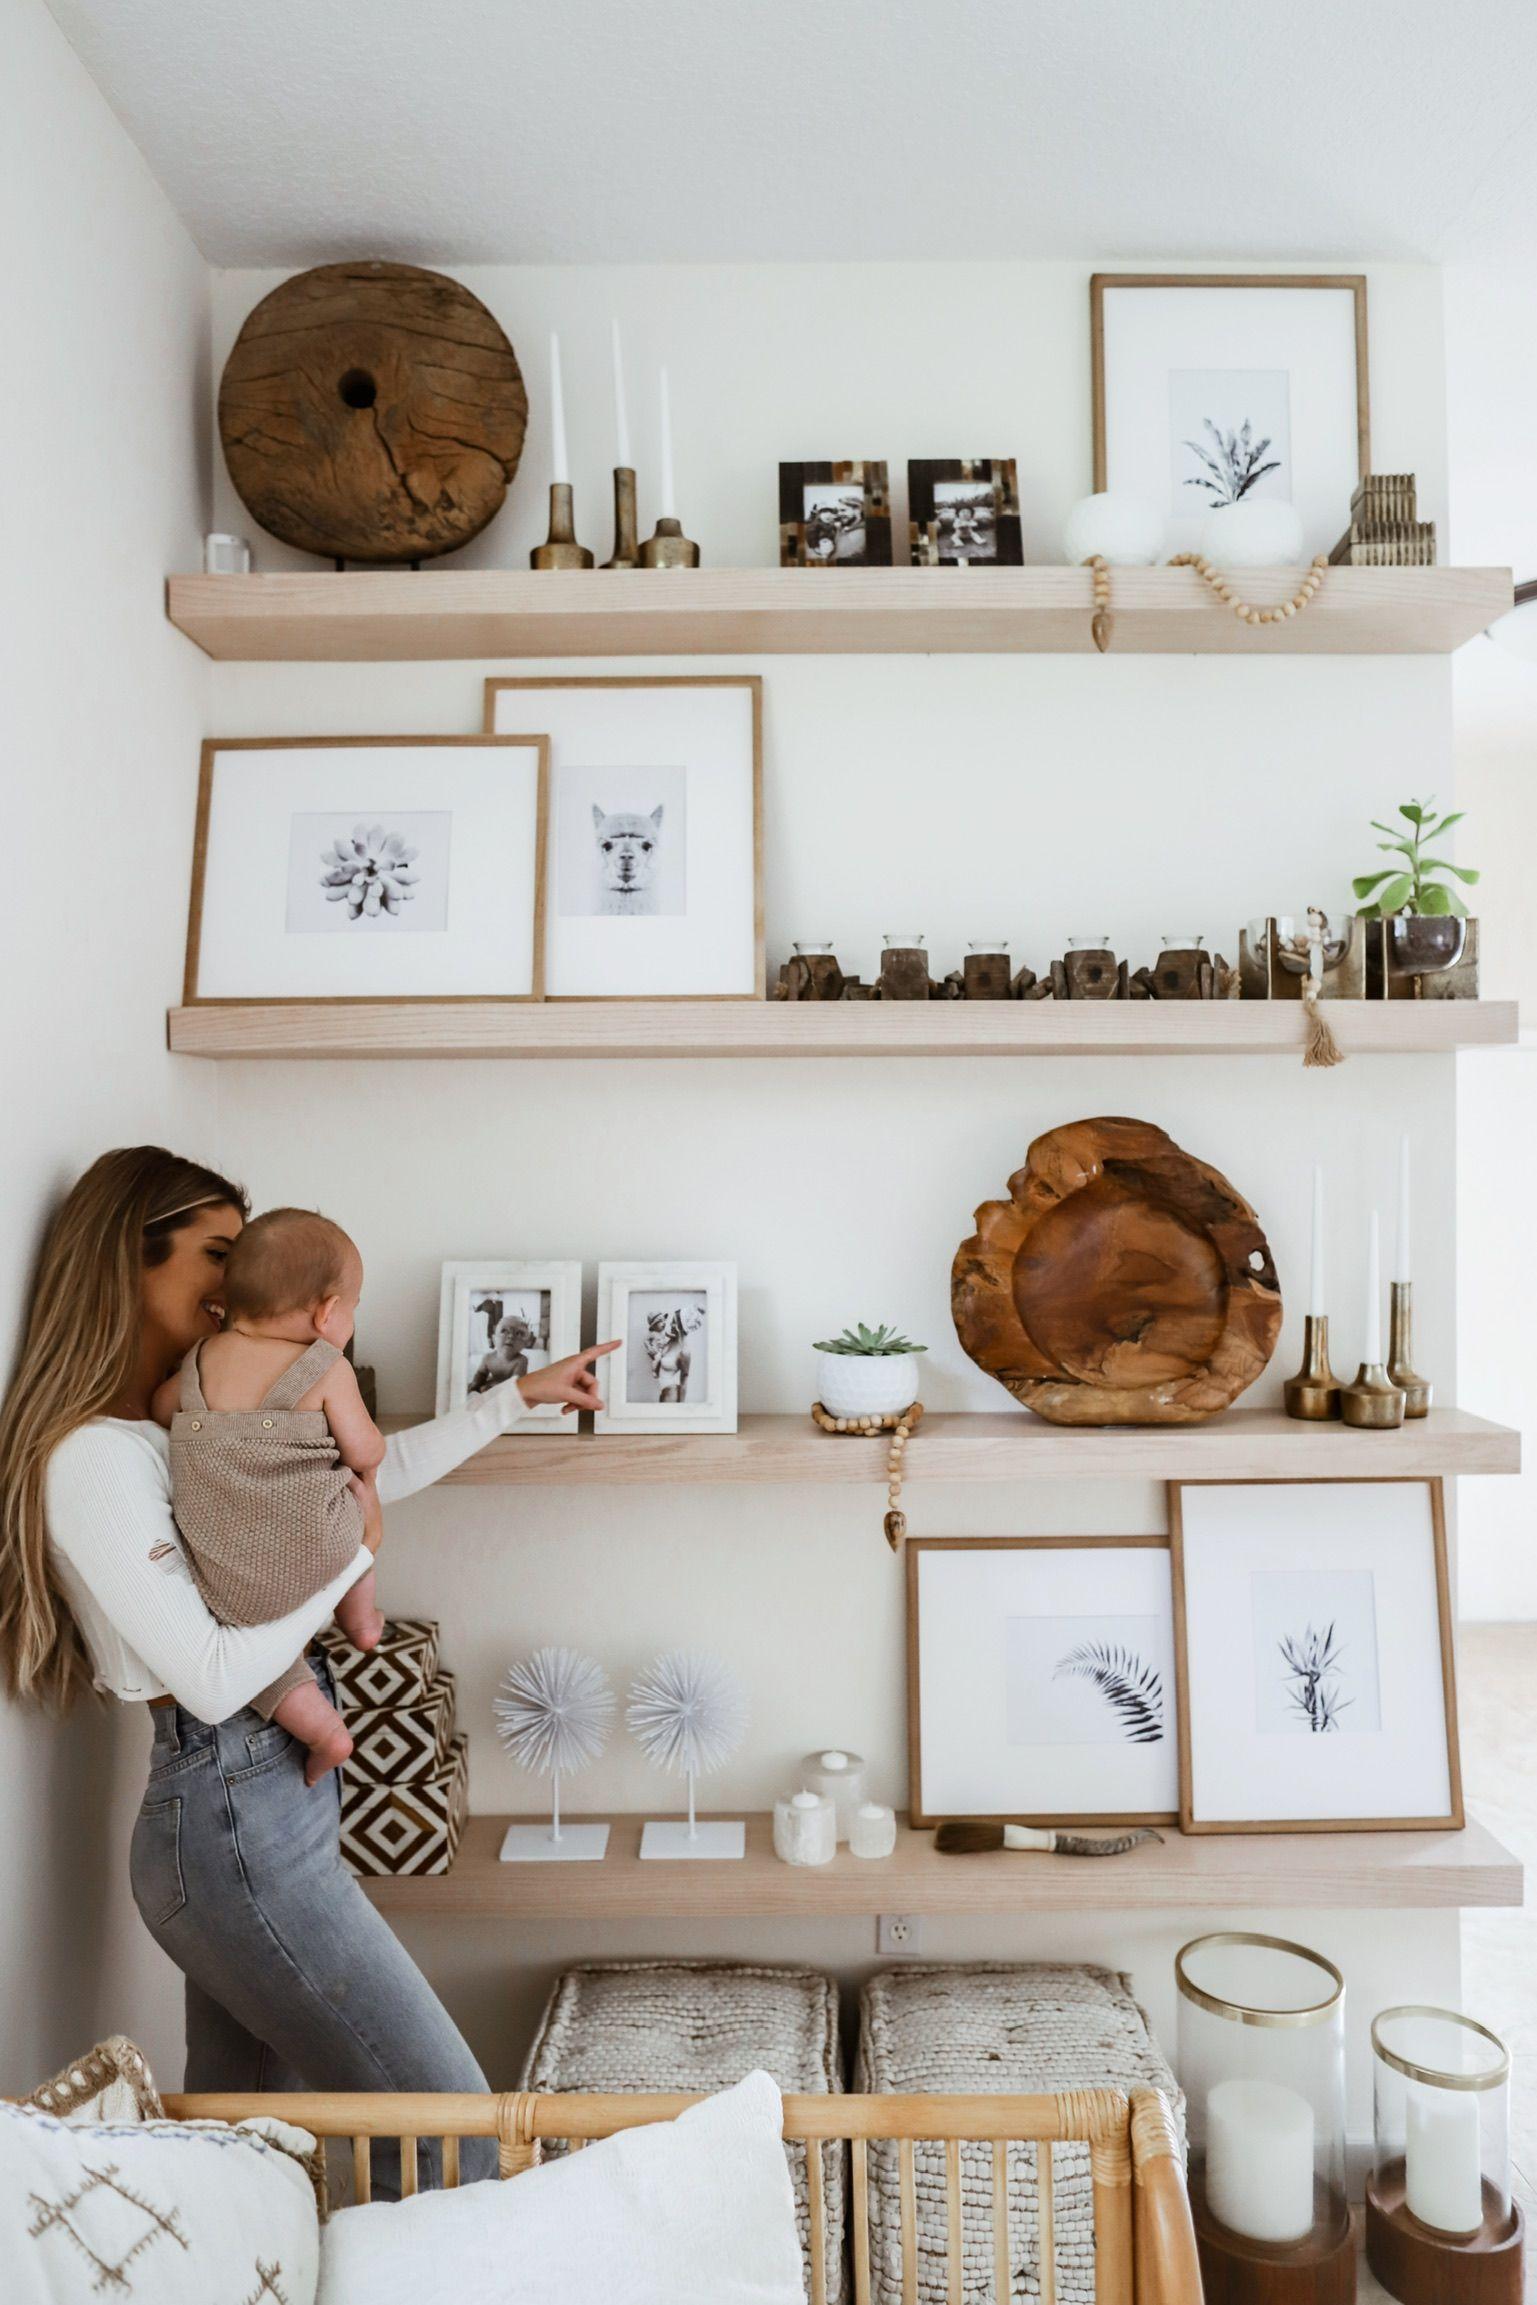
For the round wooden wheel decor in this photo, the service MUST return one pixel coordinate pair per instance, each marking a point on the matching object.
(372, 412)
(1122, 1282)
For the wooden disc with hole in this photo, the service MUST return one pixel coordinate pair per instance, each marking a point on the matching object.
(1122, 1282)
(372, 412)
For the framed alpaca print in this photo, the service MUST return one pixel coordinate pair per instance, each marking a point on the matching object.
(675, 1370)
(1040, 1680)
(655, 832)
(498, 1319)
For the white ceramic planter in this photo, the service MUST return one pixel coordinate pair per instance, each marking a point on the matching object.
(867, 1384)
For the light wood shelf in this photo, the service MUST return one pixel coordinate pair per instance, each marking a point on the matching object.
(762, 1028)
(1211, 1872)
(373, 615)
(1241, 1444)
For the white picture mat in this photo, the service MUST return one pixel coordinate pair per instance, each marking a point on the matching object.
(1238, 1772)
(1149, 333)
(717, 1412)
(245, 950)
(966, 1599)
(463, 1279)
(710, 949)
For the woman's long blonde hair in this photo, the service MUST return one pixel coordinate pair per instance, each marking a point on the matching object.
(77, 1356)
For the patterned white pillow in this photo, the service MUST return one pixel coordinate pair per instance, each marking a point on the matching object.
(160, 2213)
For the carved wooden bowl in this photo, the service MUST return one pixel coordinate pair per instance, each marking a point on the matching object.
(1121, 1283)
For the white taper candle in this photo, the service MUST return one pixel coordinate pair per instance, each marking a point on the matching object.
(1316, 1278)
(621, 412)
(1401, 1261)
(666, 508)
(559, 467)
(1371, 1350)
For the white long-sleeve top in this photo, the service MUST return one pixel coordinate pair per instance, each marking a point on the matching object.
(123, 1571)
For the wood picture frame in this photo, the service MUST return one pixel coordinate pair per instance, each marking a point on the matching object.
(215, 749)
(535, 697)
(637, 1379)
(497, 1282)
(933, 484)
(834, 515)
(1437, 1645)
(925, 1790)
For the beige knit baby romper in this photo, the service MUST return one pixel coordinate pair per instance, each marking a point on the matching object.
(263, 1501)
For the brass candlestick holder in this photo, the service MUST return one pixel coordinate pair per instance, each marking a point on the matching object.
(1372, 1400)
(1416, 1389)
(626, 552)
(668, 547)
(560, 548)
(1314, 1392)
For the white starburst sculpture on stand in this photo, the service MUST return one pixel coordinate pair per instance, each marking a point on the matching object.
(688, 1714)
(553, 1717)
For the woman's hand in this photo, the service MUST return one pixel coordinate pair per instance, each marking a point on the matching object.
(573, 1382)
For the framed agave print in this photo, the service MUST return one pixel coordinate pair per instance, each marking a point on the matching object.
(1221, 388)
(1040, 1680)
(1313, 1657)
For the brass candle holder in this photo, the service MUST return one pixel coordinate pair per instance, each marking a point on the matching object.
(1416, 1389)
(1314, 1392)
(626, 552)
(560, 548)
(1372, 1400)
(668, 547)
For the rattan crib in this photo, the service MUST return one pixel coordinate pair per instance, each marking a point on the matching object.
(1144, 2241)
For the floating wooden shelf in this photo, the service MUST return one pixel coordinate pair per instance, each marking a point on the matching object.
(1390, 1870)
(740, 1028)
(373, 616)
(1241, 1444)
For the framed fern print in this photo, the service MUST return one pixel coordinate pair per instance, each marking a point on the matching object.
(1040, 1681)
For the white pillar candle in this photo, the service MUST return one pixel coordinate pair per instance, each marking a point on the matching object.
(621, 411)
(1316, 1279)
(1259, 2160)
(1443, 2179)
(1401, 1260)
(666, 508)
(873, 1832)
(1371, 1350)
(559, 467)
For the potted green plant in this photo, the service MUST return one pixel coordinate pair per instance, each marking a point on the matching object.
(1425, 916)
(867, 1372)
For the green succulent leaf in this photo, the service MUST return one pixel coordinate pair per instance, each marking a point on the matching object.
(1367, 881)
(1444, 864)
(1412, 810)
(1397, 893)
(871, 1344)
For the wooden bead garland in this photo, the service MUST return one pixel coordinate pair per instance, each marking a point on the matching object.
(1100, 627)
(900, 1428)
(1243, 609)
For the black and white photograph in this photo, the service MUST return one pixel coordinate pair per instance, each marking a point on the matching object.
(357, 875)
(833, 518)
(622, 841)
(655, 831)
(1314, 1677)
(1041, 1679)
(676, 1367)
(963, 512)
(498, 1320)
(834, 515)
(1229, 437)
(968, 523)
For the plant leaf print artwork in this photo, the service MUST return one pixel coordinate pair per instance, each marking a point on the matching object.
(1232, 462)
(1314, 1682)
(370, 871)
(1129, 1685)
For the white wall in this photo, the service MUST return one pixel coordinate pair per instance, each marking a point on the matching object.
(106, 420)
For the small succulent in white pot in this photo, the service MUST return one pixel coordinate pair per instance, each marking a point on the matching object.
(867, 1372)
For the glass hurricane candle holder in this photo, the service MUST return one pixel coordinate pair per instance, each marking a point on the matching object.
(987, 944)
(905, 940)
(1262, 2061)
(1179, 943)
(1440, 2221)
(815, 949)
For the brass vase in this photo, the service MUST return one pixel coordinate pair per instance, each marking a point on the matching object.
(626, 552)
(1371, 1400)
(668, 547)
(1314, 1392)
(1416, 1389)
(560, 548)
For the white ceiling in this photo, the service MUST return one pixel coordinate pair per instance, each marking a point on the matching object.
(635, 131)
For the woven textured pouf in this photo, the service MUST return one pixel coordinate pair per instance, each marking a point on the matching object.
(701, 2025)
(1001, 2027)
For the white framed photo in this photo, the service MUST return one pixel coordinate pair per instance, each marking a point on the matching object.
(655, 833)
(675, 1370)
(499, 1319)
(369, 868)
(1313, 1649)
(1211, 390)
(1040, 1680)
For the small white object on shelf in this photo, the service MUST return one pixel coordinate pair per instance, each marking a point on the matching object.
(1126, 531)
(1259, 2159)
(805, 1829)
(621, 411)
(841, 1777)
(553, 1718)
(1262, 532)
(688, 1714)
(225, 555)
(873, 1832)
(560, 468)
(1371, 1350)
(1443, 2173)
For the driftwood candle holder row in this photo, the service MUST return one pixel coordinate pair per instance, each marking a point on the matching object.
(1186, 973)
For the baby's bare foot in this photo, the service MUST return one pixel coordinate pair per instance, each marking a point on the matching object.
(328, 1754)
(370, 1631)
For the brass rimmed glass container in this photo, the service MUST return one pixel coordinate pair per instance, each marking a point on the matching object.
(1440, 2218)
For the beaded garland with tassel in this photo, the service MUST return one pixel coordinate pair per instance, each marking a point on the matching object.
(1279, 612)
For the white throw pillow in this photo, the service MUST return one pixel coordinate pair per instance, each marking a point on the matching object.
(696, 2211)
(163, 2213)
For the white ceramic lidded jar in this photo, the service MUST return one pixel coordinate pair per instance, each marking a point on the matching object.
(840, 1777)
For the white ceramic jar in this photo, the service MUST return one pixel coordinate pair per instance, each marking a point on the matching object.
(867, 1384)
(840, 1778)
(805, 1829)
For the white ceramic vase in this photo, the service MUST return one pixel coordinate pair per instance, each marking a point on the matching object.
(1263, 532)
(867, 1384)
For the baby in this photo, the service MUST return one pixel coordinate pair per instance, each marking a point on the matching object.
(273, 1455)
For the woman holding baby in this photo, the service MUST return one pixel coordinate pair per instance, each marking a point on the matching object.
(168, 1342)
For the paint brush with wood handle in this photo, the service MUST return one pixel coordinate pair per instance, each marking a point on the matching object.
(961, 1840)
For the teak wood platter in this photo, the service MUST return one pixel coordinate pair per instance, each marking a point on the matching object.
(1122, 1281)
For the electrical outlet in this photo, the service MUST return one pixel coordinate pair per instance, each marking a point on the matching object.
(898, 1933)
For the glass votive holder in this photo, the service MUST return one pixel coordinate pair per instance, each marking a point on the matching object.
(872, 1830)
(805, 1829)
(815, 950)
(1100, 942)
(840, 1777)
(1179, 943)
(907, 940)
(988, 944)
(1262, 2062)
(1440, 2183)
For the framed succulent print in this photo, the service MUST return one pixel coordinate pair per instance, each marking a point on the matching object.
(963, 512)
(834, 516)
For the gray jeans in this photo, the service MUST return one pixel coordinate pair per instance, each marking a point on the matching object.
(293, 1980)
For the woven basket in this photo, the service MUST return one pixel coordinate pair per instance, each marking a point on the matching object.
(1004, 2027)
(628, 2026)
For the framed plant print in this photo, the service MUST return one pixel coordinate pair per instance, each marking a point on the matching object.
(834, 516)
(963, 512)
(675, 1370)
(498, 1318)
(1313, 1657)
(369, 868)
(655, 832)
(1215, 388)
(1040, 1680)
